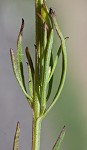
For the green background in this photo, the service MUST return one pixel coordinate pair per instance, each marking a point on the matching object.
(71, 109)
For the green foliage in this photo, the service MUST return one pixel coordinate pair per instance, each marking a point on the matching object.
(16, 137)
(46, 68)
(30, 72)
(59, 139)
(18, 65)
(40, 77)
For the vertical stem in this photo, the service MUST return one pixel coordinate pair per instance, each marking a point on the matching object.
(36, 130)
(36, 124)
(38, 57)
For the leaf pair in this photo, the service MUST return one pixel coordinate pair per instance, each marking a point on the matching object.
(55, 147)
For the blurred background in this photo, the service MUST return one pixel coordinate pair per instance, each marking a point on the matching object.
(71, 109)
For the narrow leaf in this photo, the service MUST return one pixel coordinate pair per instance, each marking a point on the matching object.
(46, 68)
(51, 81)
(61, 82)
(59, 139)
(48, 55)
(16, 137)
(45, 36)
(19, 54)
(55, 63)
(30, 81)
(30, 62)
(14, 66)
(19, 48)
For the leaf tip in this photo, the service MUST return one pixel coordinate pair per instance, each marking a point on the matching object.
(22, 26)
(52, 12)
(18, 124)
(11, 51)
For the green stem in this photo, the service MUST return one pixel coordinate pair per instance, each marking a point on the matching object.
(38, 57)
(38, 6)
(36, 124)
(36, 133)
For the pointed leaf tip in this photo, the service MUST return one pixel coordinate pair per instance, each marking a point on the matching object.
(22, 26)
(18, 124)
(59, 139)
(10, 51)
(16, 137)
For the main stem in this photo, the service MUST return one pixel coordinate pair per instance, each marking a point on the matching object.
(36, 124)
(36, 133)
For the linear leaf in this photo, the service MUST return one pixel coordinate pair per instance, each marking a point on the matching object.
(59, 139)
(55, 63)
(51, 80)
(45, 36)
(30, 62)
(19, 54)
(46, 68)
(16, 137)
(30, 81)
(14, 66)
(61, 82)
